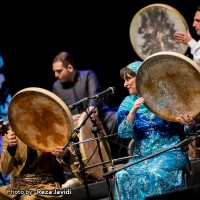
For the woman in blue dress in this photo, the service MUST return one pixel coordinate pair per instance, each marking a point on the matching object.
(161, 173)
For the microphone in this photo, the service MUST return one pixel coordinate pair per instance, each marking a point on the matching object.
(110, 90)
(74, 105)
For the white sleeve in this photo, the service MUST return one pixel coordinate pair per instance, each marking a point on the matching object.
(195, 50)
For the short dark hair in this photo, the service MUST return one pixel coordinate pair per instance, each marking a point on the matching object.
(125, 71)
(65, 58)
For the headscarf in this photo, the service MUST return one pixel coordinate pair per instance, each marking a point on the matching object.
(134, 66)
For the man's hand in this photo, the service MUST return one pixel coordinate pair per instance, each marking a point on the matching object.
(182, 38)
(60, 152)
(12, 139)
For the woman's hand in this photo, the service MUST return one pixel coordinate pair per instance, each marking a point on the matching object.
(137, 104)
(187, 120)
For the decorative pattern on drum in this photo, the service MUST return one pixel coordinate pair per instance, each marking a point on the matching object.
(170, 84)
(40, 119)
(152, 29)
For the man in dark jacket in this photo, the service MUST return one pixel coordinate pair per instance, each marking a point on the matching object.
(73, 85)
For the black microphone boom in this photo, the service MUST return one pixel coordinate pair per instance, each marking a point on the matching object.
(74, 105)
(110, 90)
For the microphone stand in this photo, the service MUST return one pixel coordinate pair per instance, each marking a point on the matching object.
(108, 161)
(78, 153)
(82, 169)
(180, 144)
(107, 138)
(96, 129)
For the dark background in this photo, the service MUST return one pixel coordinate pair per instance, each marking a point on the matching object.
(96, 33)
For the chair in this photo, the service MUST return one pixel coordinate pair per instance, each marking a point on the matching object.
(131, 147)
(192, 173)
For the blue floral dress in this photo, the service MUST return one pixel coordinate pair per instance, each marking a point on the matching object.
(159, 174)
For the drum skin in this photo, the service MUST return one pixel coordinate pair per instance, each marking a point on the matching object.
(40, 119)
(170, 84)
(152, 30)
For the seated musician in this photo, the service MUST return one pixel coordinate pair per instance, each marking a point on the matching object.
(34, 174)
(73, 85)
(161, 173)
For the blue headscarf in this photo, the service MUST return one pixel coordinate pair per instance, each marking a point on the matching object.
(134, 66)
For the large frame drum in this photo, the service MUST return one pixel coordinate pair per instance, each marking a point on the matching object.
(170, 84)
(40, 119)
(152, 29)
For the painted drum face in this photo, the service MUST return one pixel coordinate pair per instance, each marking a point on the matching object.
(152, 29)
